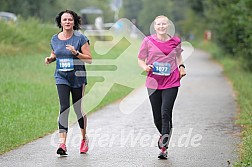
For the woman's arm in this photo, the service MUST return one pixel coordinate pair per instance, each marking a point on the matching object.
(181, 65)
(144, 66)
(86, 54)
(50, 59)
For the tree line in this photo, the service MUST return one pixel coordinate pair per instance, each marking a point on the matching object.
(230, 21)
(46, 10)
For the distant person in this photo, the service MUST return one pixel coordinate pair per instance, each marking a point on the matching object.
(99, 27)
(160, 56)
(191, 37)
(70, 50)
(99, 23)
(207, 35)
(118, 27)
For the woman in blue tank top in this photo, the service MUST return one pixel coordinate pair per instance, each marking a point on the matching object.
(70, 50)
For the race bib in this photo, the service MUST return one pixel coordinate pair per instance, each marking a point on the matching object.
(161, 68)
(65, 64)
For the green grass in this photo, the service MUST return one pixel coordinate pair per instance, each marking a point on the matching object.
(241, 81)
(28, 96)
(242, 84)
(26, 36)
(28, 100)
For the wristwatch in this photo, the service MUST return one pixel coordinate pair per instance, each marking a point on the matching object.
(77, 53)
(181, 65)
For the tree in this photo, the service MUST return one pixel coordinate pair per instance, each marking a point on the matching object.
(231, 22)
(131, 8)
(151, 10)
(29, 8)
(197, 6)
(46, 10)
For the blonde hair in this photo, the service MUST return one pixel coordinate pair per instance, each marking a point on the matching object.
(160, 16)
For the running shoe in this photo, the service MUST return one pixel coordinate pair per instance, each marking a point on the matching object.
(62, 149)
(84, 146)
(163, 153)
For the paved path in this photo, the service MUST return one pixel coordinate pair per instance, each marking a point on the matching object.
(204, 133)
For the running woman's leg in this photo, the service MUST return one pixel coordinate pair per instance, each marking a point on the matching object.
(168, 98)
(64, 95)
(77, 94)
(156, 102)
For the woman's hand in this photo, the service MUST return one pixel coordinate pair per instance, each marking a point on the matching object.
(182, 72)
(148, 68)
(71, 49)
(49, 60)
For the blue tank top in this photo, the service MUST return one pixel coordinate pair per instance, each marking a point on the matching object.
(70, 70)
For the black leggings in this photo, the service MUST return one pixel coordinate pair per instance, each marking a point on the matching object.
(162, 102)
(64, 99)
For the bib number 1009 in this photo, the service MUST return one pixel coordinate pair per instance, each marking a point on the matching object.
(65, 64)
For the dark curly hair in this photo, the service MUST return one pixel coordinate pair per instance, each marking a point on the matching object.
(77, 19)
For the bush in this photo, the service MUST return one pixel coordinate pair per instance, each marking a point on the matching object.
(231, 22)
(26, 36)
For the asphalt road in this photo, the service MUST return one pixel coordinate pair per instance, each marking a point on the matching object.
(204, 133)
